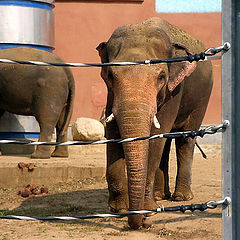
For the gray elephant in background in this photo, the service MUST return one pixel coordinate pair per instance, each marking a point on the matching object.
(148, 100)
(45, 92)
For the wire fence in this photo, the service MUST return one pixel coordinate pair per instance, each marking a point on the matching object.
(187, 134)
(207, 55)
(201, 207)
(203, 56)
(193, 207)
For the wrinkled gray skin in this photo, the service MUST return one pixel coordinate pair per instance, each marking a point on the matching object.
(46, 93)
(177, 93)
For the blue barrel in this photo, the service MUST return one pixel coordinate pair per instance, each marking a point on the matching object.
(28, 23)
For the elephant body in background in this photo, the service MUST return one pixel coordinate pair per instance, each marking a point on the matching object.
(45, 92)
(176, 94)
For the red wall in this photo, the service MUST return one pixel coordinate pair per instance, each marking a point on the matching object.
(80, 27)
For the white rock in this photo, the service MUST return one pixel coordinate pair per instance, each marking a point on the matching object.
(87, 129)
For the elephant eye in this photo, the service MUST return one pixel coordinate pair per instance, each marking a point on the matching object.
(161, 76)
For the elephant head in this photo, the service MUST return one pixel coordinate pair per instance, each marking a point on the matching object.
(136, 93)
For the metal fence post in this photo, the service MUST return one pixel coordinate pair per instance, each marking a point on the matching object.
(231, 112)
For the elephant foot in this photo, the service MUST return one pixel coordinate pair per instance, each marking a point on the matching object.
(150, 204)
(158, 196)
(60, 152)
(41, 154)
(147, 223)
(137, 221)
(180, 196)
(114, 210)
(118, 205)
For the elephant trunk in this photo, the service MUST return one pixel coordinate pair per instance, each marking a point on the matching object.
(134, 121)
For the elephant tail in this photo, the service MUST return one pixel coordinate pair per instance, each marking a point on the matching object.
(70, 100)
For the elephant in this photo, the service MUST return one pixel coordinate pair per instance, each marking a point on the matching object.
(45, 92)
(149, 99)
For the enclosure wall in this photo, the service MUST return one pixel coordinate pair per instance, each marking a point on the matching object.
(81, 26)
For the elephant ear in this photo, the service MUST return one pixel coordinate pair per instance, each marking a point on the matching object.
(102, 51)
(178, 71)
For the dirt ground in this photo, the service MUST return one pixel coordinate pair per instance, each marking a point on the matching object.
(90, 197)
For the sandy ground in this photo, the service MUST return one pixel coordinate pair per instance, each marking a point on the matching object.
(90, 197)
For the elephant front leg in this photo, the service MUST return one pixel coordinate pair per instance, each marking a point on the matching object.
(45, 136)
(157, 175)
(116, 179)
(184, 149)
(161, 184)
(116, 171)
(155, 151)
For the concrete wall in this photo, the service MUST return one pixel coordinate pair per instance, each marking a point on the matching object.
(81, 26)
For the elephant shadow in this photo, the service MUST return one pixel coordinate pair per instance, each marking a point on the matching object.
(75, 203)
(188, 216)
(87, 202)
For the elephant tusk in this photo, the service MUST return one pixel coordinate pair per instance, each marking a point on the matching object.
(156, 122)
(110, 118)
